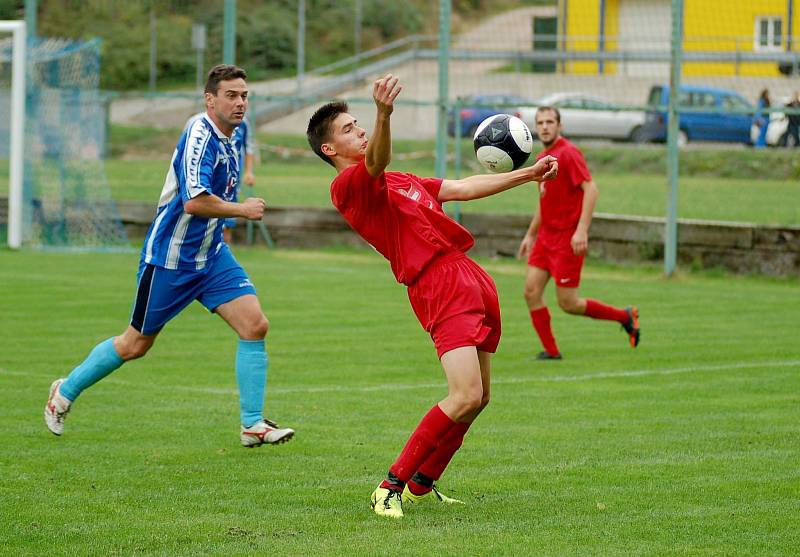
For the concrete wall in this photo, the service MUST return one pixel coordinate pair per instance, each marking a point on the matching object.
(739, 247)
(742, 248)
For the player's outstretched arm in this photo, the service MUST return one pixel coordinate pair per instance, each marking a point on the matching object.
(211, 206)
(484, 185)
(379, 148)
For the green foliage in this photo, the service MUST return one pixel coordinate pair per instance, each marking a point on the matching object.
(12, 9)
(392, 18)
(266, 33)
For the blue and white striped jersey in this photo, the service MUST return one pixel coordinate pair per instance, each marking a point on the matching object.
(242, 139)
(204, 161)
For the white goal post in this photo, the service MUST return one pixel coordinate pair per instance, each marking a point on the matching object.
(17, 127)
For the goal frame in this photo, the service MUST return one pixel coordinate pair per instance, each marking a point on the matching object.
(17, 130)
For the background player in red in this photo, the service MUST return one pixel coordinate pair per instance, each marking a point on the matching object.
(559, 236)
(454, 299)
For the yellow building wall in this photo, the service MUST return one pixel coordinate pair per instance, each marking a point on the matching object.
(709, 25)
(612, 31)
(729, 26)
(583, 22)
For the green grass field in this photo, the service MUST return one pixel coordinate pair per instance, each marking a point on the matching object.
(686, 446)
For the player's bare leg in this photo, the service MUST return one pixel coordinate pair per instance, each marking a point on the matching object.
(535, 282)
(245, 316)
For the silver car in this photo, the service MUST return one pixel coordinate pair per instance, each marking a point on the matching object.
(588, 116)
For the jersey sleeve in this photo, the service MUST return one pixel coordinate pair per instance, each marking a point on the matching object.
(199, 159)
(577, 171)
(355, 189)
(249, 138)
(433, 186)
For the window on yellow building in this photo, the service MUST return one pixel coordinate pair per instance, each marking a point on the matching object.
(769, 33)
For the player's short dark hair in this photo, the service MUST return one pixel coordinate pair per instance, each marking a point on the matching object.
(550, 108)
(222, 72)
(319, 127)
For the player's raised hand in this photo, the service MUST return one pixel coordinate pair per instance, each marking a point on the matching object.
(545, 169)
(254, 208)
(385, 91)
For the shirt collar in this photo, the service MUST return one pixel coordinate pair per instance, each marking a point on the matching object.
(220, 135)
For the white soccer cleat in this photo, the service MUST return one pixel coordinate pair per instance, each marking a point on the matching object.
(56, 409)
(265, 431)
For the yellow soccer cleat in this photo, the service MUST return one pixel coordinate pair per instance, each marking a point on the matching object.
(412, 499)
(387, 502)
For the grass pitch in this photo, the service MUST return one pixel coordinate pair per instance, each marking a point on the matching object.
(686, 446)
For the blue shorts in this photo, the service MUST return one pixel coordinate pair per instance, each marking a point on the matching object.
(164, 293)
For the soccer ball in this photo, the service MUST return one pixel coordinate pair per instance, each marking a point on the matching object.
(502, 143)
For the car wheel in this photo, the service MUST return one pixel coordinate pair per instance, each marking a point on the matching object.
(638, 135)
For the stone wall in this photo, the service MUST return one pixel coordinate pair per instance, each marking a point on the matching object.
(739, 247)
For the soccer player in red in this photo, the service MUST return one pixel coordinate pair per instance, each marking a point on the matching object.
(454, 299)
(558, 236)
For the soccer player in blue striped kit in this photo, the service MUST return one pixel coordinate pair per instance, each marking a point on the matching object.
(184, 258)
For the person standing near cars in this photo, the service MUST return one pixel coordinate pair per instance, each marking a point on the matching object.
(793, 130)
(762, 118)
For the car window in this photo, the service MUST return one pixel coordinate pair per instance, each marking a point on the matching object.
(594, 104)
(705, 100)
(570, 103)
(655, 96)
(734, 103)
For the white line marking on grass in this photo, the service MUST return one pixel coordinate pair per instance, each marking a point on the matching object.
(496, 381)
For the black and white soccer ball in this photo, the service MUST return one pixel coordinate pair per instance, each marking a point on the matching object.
(502, 143)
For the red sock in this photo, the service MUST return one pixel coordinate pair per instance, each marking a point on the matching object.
(541, 322)
(430, 431)
(434, 466)
(599, 310)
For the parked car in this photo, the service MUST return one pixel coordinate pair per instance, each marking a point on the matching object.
(730, 120)
(476, 108)
(589, 116)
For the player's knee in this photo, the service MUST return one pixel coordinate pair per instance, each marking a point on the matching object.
(470, 401)
(131, 349)
(532, 294)
(569, 305)
(258, 326)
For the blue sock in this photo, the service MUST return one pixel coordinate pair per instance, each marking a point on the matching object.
(100, 362)
(251, 375)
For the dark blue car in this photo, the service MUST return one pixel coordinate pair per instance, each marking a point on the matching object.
(729, 116)
(475, 109)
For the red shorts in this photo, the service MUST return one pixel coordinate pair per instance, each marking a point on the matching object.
(456, 302)
(553, 253)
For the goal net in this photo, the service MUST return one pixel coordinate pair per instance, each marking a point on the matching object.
(65, 199)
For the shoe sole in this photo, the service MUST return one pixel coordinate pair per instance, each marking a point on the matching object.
(280, 441)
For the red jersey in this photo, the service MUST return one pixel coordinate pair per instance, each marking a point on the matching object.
(400, 215)
(561, 199)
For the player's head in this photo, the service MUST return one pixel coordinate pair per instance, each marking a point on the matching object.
(548, 124)
(226, 96)
(335, 136)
